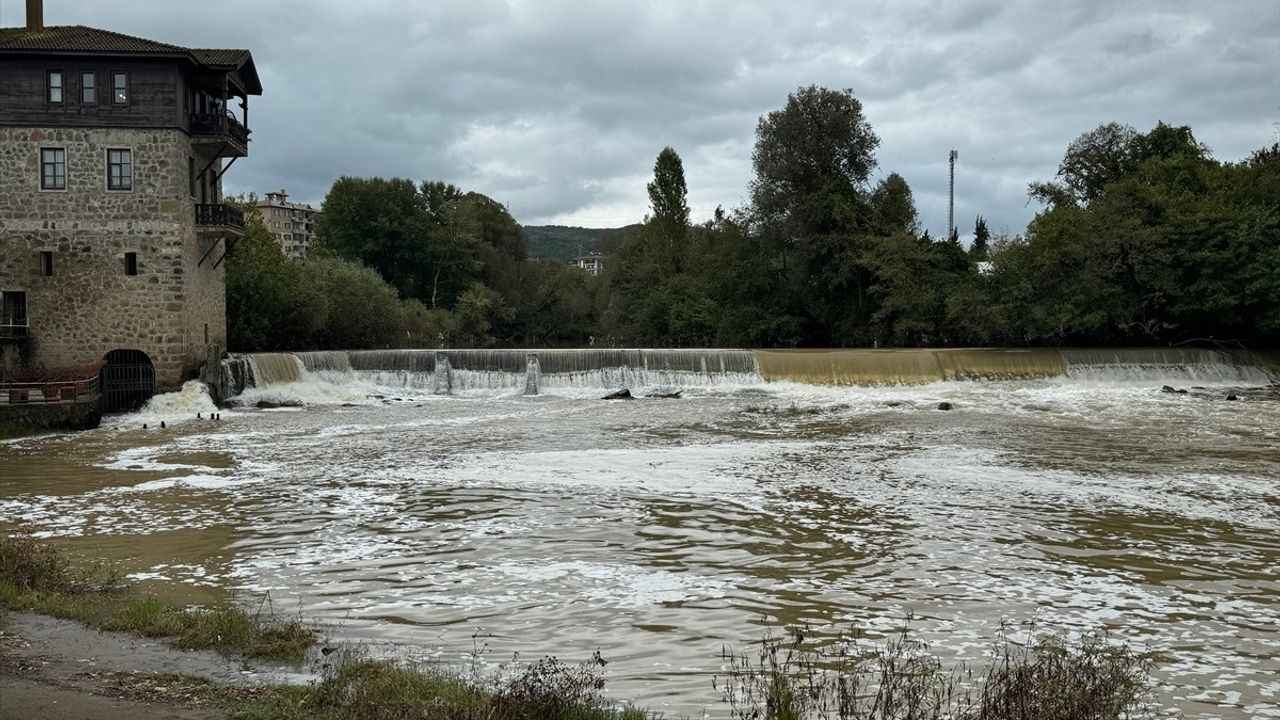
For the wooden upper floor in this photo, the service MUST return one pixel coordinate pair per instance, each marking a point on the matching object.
(75, 76)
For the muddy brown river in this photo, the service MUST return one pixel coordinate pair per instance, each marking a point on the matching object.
(659, 530)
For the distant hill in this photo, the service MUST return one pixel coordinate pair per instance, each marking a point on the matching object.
(562, 242)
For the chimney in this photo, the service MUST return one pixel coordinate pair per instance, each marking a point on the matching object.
(35, 15)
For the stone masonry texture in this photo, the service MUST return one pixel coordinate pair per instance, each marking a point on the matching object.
(90, 306)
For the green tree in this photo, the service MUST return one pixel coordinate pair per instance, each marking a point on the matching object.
(668, 226)
(380, 223)
(894, 206)
(269, 304)
(819, 142)
(499, 242)
(980, 250)
(1110, 152)
(810, 207)
(363, 311)
(480, 310)
(554, 304)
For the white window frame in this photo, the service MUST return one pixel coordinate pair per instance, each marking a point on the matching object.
(132, 174)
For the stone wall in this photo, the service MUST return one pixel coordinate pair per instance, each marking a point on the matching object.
(83, 414)
(90, 306)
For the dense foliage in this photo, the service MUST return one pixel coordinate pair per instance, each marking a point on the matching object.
(402, 266)
(1143, 238)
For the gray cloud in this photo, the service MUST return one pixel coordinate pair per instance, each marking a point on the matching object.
(558, 108)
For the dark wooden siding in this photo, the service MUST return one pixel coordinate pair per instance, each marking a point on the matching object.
(155, 94)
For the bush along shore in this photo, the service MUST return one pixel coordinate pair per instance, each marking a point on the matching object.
(796, 676)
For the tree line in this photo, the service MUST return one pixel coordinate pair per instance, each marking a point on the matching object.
(1143, 238)
(399, 264)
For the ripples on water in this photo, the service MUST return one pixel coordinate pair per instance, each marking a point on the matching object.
(658, 530)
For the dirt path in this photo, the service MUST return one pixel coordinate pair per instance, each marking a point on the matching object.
(60, 670)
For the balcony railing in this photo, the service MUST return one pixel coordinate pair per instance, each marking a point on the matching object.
(219, 216)
(221, 126)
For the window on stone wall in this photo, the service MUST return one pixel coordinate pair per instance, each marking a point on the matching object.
(120, 88)
(119, 169)
(46, 263)
(89, 87)
(131, 263)
(13, 314)
(191, 175)
(53, 169)
(55, 86)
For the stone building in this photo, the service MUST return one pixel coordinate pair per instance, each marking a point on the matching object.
(113, 233)
(292, 224)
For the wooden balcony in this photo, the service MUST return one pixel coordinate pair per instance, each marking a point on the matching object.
(219, 219)
(221, 130)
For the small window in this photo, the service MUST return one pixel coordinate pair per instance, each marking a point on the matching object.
(206, 333)
(53, 169)
(89, 87)
(13, 314)
(46, 263)
(131, 263)
(120, 88)
(55, 86)
(119, 169)
(191, 175)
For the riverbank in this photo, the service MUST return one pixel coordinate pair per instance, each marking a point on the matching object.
(206, 662)
(53, 667)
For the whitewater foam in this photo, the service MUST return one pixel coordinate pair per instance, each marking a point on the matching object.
(171, 408)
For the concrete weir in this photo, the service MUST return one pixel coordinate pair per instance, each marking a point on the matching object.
(919, 366)
(531, 371)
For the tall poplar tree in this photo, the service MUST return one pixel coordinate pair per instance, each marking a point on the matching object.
(668, 199)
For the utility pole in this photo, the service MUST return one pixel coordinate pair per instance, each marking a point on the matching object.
(951, 198)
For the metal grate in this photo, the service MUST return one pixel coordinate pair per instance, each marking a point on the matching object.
(128, 380)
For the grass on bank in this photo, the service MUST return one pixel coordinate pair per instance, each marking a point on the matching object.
(362, 689)
(39, 578)
(356, 688)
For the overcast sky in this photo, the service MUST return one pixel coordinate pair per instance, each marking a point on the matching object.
(559, 108)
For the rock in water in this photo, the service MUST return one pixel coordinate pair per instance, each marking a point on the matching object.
(1233, 397)
(623, 394)
(1167, 389)
(946, 406)
(670, 396)
(271, 404)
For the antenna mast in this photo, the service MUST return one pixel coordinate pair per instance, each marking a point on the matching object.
(951, 198)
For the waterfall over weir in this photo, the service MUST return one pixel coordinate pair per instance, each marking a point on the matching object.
(532, 371)
(529, 371)
(920, 366)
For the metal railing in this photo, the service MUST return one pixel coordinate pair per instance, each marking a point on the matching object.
(219, 215)
(222, 124)
(19, 393)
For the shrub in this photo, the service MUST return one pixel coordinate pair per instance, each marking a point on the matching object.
(1048, 678)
